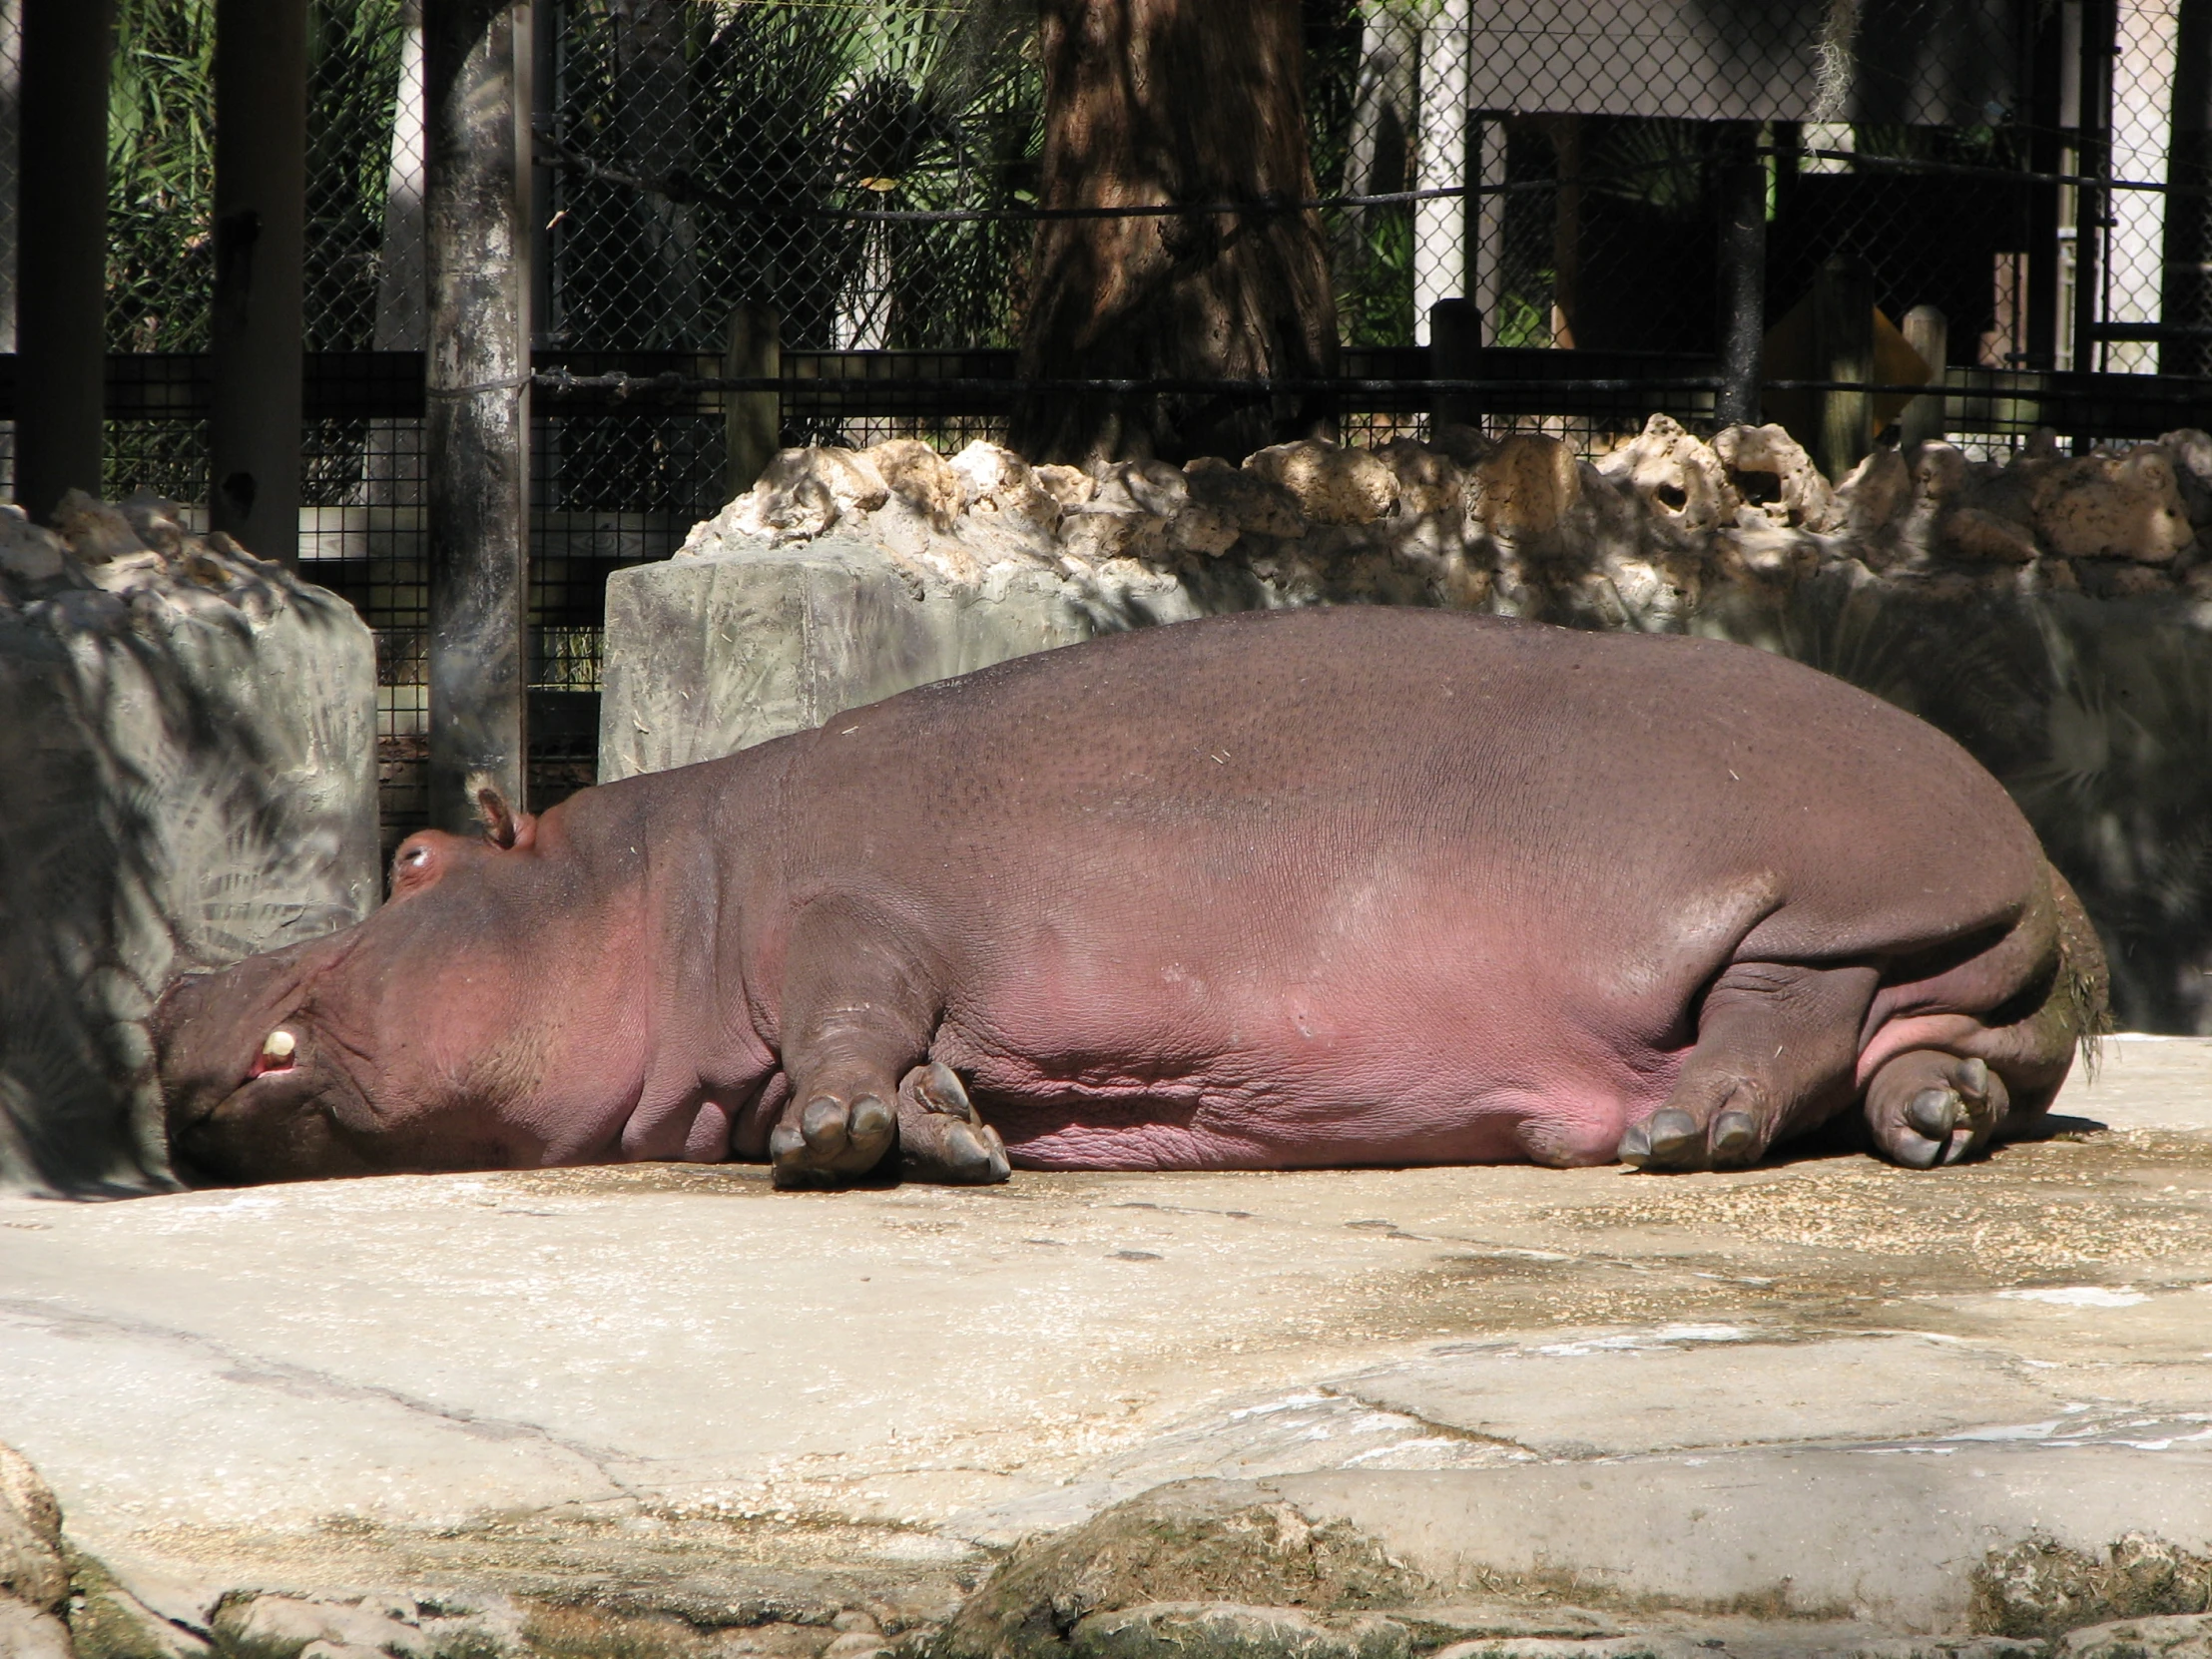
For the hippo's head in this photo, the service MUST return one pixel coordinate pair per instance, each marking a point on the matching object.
(402, 1043)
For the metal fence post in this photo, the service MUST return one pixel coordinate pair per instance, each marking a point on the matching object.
(1843, 349)
(476, 394)
(751, 421)
(1454, 348)
(1743, 257)
(260, 204)
(1927, 331)
(61, 285)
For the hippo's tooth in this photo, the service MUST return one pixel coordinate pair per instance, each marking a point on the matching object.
(278, 1046)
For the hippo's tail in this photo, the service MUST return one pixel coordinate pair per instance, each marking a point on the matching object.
(2084, 981)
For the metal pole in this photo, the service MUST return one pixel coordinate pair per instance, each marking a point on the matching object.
(1843, 349)
(476, 110)
(260, 200)
(61, 282)
(1743, 258)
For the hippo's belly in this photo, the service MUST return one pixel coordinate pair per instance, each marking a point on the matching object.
(1429, 1026)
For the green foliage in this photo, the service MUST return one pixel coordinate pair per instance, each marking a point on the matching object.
(161, 175)
(161, 169)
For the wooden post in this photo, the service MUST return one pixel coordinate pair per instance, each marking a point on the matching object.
(1843, 349)
(1742, 285)
(260, 186)
(477, 245)
(62, 272)
(1454, 348)
(1927, 331)
(751, 421)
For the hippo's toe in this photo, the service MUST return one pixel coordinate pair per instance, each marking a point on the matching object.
(832, 1140)
(942, 1137)
(1928, 1107)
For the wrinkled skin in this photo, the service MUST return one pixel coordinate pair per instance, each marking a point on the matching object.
(1354, 886)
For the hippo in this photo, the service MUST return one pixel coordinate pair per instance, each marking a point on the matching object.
(1324, 887)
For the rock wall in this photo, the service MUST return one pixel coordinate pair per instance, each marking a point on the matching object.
(187, 735)
(2053, 612)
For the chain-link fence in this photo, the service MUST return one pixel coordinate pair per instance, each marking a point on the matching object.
(2031, 174)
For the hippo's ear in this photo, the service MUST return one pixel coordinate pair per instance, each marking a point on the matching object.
(504, 827)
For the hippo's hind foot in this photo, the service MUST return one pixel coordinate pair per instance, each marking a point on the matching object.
(1775, 1045)
(1927, 1107)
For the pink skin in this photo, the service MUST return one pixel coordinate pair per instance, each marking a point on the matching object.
(1351, 888)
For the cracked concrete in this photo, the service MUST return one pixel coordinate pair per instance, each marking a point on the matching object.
(675, 1386)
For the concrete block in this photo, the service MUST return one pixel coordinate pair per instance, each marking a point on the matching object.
(708, 655)
(188, 738)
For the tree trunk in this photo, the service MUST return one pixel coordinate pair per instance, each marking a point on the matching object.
(1159, 102)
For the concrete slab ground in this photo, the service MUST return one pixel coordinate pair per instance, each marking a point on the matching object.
(1823, 1390)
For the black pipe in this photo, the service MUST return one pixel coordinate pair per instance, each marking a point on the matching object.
(261, 205)
(61, 276)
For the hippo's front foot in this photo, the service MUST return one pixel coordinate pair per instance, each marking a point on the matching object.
(836, 1136)
(1928, 1107)
(843, 1135)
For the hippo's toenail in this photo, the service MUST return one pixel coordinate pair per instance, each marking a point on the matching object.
(870, 1118)
(1973, 1078)
(1933, 1113)
(786, 1143)
(1673, 1134)
(1920, 1154)
(1635, 1147)
(822, 1123)
(1734, 1134)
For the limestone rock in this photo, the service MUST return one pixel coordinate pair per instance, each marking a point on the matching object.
(1986, 537)
(1524, 489)
(2107, 507)
(1184, 1542)
(1255, 505)
(996, 481)
(1071, 487)
(107, 1622)
(801, 493)
(31, 1569)
(918, 475)
(1428, 480)
(304, 1627)
(1330, 485)
(27, 1633)
(1228, 1630)
(2172, 1636)
(1772, 472)
(1677, 476)
(1875, 495)
(1651, 1646)
(2191, 450)
(1152, 487)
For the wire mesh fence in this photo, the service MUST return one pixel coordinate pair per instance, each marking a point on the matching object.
(2037, 172)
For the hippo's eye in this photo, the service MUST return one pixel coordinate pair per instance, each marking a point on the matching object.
(418, 858)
